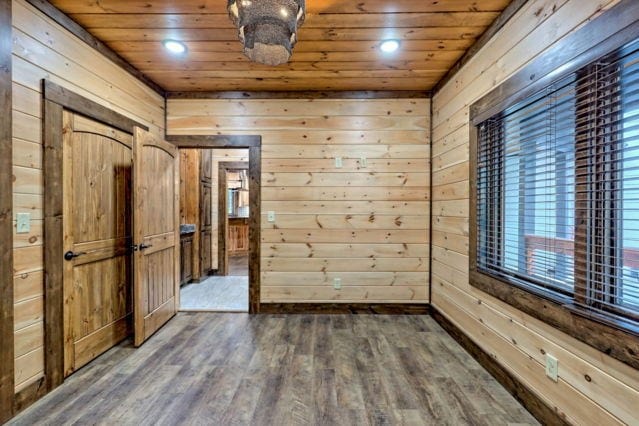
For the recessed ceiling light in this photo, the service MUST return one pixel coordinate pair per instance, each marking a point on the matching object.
(389, 46)
(174, 46)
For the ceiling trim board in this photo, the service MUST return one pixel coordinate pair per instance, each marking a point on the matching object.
(364, 94)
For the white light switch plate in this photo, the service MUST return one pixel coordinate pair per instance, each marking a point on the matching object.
(23, 223)
(271, 216)
(552, 367)
(338, 162)
(337, 283)
(363, 162)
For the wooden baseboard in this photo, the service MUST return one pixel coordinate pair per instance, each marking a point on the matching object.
(29, 395)
(542, 412)
(345, 308)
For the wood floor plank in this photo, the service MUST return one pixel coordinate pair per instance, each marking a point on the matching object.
(208, 368)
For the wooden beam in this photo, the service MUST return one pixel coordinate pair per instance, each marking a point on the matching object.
(74, 28)
(215, 141)
(76, 103)
(490, 32)
(371, 94)
(546, 415)
(6, 218)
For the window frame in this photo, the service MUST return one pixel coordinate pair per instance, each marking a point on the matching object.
(614, 336)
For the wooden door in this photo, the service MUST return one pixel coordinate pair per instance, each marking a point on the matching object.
(97, 231)
(206, 212)
(156, 233)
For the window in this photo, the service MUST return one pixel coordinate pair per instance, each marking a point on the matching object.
(556, 197)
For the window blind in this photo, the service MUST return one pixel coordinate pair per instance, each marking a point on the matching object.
(558, 188)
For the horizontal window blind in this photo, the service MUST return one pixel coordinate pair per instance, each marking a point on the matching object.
(558, 188)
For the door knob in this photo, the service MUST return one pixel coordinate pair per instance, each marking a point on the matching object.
(70, 255)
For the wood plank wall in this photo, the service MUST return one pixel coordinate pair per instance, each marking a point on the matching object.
(43, 49)
(593, 388)
(368, 226)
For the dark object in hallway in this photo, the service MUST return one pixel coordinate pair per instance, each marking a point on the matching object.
(238, 265)
(295, 369)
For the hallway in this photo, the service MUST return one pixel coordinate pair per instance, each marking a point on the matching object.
(219, 293)
(281, 370)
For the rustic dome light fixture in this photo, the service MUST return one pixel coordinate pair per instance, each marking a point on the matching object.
(267, 28)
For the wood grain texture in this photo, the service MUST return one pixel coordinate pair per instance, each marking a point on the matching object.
(43, 49)
(70, 25)
(516, 340)
(156, 233)
(286, 369)
(434, 35)
(6, 218)
(528, 399)
(367, 213)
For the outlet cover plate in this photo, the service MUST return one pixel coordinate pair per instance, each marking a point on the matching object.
(271, 216)
(552, 367)
(337, 283)
(23, 223)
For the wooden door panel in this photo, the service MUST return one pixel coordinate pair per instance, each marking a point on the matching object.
(97, 164)
(206, 207)
(156, 234)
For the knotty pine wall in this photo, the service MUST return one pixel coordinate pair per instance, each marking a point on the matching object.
(42, 49)
(368, 226)
(593, 388)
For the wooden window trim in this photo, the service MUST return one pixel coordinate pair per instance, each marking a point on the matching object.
(611, 30)
(254, 144)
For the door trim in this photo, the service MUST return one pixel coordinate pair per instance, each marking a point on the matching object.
(56, 99)
(254, 145)
(222, 212)
(7, 354)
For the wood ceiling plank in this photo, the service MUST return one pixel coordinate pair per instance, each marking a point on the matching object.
(338, 47)
(433, 65)
(333, 20)
(354, 34)
(317, 6)
(217, 84)
(441, 55)
(302, 46)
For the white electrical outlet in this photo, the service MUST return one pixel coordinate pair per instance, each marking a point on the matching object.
(23, 223)
(337, 283)
(552, 367)
(338, 162)
(363, 162)
(271, 216)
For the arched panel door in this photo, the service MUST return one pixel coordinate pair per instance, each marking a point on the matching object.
(156, 187)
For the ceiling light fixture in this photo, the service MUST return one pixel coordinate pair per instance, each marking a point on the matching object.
(267, 28)
(174, 46)
(389, 46)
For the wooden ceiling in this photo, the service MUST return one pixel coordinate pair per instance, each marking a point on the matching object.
(338, 47)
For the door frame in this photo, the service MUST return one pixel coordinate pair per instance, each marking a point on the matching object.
(6, 218)
(222, 212)
(254, 144)
(55, 100)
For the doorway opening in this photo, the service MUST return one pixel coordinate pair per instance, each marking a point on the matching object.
(215, 213)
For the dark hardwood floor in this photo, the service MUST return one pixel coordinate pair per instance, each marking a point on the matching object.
(233, 369)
